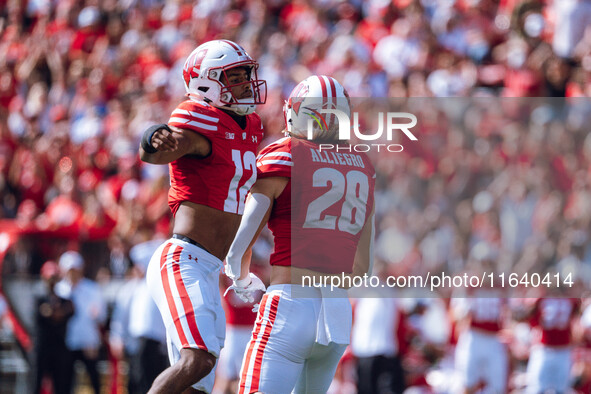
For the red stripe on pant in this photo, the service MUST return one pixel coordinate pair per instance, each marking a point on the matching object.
(256, 372)
(168, 293)
(246, 361)
(186, 301)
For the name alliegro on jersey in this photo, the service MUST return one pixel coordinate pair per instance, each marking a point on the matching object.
(320, 156)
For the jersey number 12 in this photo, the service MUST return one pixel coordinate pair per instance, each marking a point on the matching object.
(235, 201)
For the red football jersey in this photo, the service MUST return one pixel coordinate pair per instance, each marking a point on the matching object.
(324, 206)
(486, 314)
(554, 316)
(222, 179)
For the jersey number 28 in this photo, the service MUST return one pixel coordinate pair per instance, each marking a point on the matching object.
(353, 186)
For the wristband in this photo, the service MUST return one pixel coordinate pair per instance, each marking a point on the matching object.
(146, 143)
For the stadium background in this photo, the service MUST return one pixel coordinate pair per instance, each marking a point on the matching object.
(80, 81)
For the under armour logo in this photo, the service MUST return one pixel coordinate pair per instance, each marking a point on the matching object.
(195, 258)
(255, 138)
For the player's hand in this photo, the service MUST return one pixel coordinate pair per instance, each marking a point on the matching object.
(245, 288)
(164, 140)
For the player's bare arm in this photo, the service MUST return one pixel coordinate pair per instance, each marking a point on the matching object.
(162, 144)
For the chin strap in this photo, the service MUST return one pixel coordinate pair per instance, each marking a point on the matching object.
(242, 109)
(254, 212)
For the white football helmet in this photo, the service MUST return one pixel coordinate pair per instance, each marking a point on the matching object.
(209, 62)
(302, 109)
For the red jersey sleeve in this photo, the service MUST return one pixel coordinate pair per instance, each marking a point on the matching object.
(275, 159)
(195, 116)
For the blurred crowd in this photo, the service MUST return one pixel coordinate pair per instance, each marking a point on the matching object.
(497, 175)
(503, 178)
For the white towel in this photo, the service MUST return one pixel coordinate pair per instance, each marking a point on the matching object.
(334, 318)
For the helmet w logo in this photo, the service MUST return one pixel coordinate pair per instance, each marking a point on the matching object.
(193, 65)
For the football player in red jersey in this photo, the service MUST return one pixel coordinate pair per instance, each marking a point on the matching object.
(302, 331)
(209, 143)
(480, 356)
(549, 365)
(481, 359)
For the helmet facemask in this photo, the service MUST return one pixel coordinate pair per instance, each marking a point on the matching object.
(240, 105)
